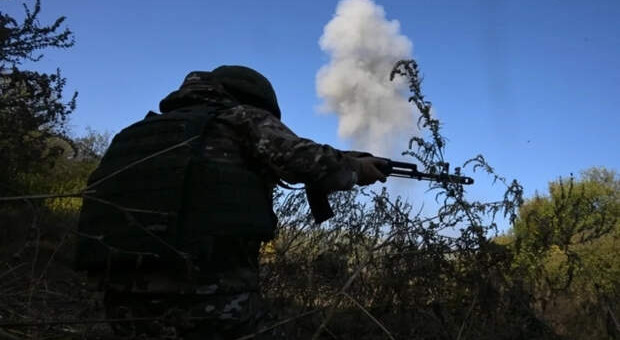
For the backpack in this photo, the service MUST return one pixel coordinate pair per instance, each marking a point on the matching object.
(157, 199)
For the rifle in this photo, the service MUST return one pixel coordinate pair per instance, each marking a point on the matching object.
(322, 211)
(410, 170)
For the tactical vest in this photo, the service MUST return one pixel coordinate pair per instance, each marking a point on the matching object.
(157, 197)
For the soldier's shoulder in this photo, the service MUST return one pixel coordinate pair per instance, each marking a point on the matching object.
(245, 113)
(249, 109)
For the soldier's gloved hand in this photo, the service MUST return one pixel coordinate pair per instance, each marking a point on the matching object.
(368, 170)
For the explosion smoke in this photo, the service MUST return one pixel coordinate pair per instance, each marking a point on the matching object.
(363, 47)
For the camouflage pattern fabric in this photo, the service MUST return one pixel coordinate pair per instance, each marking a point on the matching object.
(184, 316)
(245, 133)
(256, 137)
(219, 297)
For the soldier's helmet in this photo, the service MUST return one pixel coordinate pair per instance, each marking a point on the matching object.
(248, 86)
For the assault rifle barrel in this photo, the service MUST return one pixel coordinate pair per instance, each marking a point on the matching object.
(410, 170)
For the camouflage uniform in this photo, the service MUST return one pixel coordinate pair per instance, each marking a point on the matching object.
(224, 303)
(222, 300)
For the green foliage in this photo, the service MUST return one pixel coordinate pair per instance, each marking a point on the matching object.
(566, 246)
(37, 242)
(38, 156)
(32, 109)
(79, 157)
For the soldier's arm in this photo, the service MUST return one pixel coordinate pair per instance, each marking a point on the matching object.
(292, 158)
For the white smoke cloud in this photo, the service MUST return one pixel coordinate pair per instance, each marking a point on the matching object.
(363, 47)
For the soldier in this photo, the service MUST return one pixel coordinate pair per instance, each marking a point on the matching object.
(183, 200)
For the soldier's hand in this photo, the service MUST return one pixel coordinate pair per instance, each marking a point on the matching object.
(369, 170)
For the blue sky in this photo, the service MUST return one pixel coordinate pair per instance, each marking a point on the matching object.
(532, 85)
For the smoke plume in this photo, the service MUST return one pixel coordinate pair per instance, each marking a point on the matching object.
(363, 46)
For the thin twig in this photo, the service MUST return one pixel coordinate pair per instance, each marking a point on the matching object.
(114, 249)
(12, 269)
(93, 321)
(45, 196)
(471, 308)
(7, 336)
(132, 220)
(125, 209)
(613, 317)
(359, 305)
(330, 333)
(51, 259)
(132, 164)
(35, 259)
(73, 322)
(281, 323)
(332, 309)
